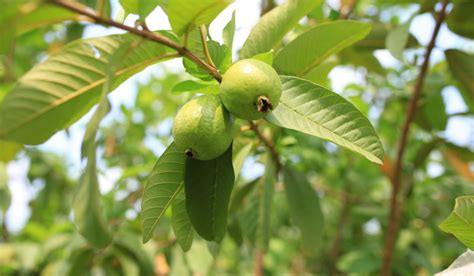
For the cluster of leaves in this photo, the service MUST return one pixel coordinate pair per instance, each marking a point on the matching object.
(212, 197)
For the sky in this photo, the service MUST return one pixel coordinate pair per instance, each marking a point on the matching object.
(459, 130)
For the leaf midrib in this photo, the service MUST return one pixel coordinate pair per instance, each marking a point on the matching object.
(77, 94)
(324, 55)
(173, 196)
(325, 128)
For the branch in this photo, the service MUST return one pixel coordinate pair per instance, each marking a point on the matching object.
(395, 202)
(346, 8)
(143, 33)
(268, 143)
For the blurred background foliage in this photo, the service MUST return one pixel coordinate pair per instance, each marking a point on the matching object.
(353, 193)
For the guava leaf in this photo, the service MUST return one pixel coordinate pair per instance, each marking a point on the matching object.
(8, 150)
(239, 159)
(265, 191)
(162, 187)
(56, 93)
(461, 65)
(88, 212)
(304, 209)
(273, 26)
(314, 110)
(397, 39)
(460, 222)
(266, 57)
(141, 7)
(461, 17)
(182, 226)
(208, 185)
(196, 86)
(228, 33)
(312, 47)
(221, 56)
(184, 14)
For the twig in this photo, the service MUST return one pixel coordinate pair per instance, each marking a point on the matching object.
(395, 202)
(143, 33)
(203, 32)
(346, 9)
(258, 270)
(268, 143)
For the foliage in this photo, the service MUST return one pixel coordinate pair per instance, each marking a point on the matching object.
(307, 188)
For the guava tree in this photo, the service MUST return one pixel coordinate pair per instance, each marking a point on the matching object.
(271, 104)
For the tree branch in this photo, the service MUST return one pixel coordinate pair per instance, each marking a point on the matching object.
(268, 143)
(346, 8)
(183, 51)
(395, 202)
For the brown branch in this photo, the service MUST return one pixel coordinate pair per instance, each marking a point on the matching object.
(268, 143)
(346, 8)
(258, 269)
(396, 202)
(183, 51)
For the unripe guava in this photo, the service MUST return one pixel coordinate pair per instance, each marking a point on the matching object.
(250, 89)
(203, 128)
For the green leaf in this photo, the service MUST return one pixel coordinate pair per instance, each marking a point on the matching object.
(301, 55)
(18, 18)
(8, 150)
(141, 7)
(208, 185)
(273, 26)
(228, 33)
(266, 57)
(240, 193)
(186, 14)
(320, 73)
(304, 208)
(461, 65)
(162, 187)
(88, 214)
(196, 86)
(397, 40)
(87, 199)
(238, 160)
(220, 55)
(461, 17)
(265, 192)
(57, 92)
(460, 222)
(128, 242)
(5, 196)
(313, 109)
(182, 226)
(361, 57)
(377, 38)
(432, 111)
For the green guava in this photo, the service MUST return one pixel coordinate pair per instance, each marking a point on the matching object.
(250, 89)
(203, 128)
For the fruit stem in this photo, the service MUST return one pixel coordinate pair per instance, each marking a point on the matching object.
(264, 104)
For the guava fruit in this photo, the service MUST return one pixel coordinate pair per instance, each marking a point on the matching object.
(250, 89)
(202, 128)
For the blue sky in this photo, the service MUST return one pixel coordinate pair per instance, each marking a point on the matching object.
(460, 130)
